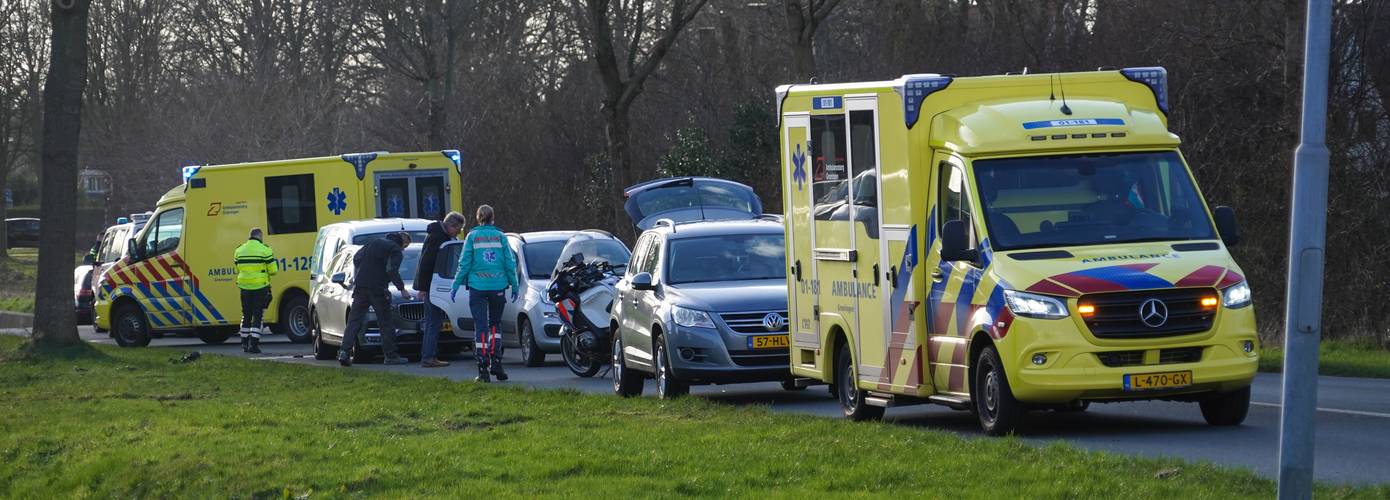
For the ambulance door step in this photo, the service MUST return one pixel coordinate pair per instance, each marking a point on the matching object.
(802, 383)
(886, 400)
(954, 402)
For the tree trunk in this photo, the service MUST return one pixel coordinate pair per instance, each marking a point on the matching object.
(56, 324)
(620, 161)
(800, 37)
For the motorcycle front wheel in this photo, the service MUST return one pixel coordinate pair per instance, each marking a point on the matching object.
(580, 364)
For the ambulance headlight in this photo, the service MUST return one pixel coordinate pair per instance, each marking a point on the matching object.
(691, 318)
(1236, 296)
(1032, 305)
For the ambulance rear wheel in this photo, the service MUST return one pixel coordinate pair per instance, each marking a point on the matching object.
(129, 326)
(295, 323)
(995, 405)
(851, 398)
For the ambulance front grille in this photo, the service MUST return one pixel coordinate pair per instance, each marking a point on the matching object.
(1117, 315)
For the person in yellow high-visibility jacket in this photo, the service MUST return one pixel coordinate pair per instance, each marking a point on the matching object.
(255, 264)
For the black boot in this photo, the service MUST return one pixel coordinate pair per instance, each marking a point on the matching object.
(245, 343)
(483, 375)
(255, 346)
(497, 371)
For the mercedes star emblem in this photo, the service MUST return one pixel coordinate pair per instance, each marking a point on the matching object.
(1153, 312)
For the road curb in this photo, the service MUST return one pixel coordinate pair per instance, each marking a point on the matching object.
(16, 320)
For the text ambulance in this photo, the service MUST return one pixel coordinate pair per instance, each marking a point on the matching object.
(1007, 243)
(179, 274)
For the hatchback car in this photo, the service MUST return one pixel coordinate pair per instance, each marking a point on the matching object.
(531, 323)
(23, 232)
(330, 304)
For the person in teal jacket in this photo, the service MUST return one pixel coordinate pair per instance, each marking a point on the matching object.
(487, 268)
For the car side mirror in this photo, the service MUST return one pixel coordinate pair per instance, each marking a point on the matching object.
(643, 281)
(87, 260)
(954, 246)
(1226, 225)
(340, 279)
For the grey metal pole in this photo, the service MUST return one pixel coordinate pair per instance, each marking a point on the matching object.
(1307, 233)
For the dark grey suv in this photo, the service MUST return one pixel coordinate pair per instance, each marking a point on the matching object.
(702, 303)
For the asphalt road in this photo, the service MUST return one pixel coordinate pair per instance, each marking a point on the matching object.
(1353, 445)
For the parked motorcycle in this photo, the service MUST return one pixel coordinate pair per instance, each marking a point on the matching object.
(583, 294)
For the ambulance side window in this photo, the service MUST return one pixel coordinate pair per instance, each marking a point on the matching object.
(829, 170)
(164, 236)
(864, 157)
(289, 204)
(954, 198)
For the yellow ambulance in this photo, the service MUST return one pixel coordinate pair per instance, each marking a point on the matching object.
(1005, 244)
(179, 276)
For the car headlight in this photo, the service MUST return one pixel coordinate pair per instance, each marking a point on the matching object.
(691, 318)
(1236, 296)
(1032, 305)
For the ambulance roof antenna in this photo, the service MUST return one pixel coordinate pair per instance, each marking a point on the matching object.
(1066, 110)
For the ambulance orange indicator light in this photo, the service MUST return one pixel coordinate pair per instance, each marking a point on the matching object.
(1086, 309)
(1209, 302)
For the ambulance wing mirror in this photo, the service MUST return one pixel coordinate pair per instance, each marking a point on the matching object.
(1226, 225)
(136, 251)
(954, 246)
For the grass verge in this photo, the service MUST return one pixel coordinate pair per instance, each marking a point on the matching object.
(133, 423)
(17, 275)
(1336, 357)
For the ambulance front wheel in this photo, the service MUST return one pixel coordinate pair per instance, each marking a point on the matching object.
(129, 326)
(995, 405)
(851, 398)
(1227, 409)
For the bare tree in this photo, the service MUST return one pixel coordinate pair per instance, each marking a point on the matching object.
(628, 40)
(21, 68)
(62, 125)
(803, 18)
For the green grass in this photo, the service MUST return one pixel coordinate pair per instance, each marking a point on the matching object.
(131, 423)
(17, 275)
(1336, 357)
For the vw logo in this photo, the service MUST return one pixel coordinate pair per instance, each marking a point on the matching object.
(773, 322)
(1153, 312)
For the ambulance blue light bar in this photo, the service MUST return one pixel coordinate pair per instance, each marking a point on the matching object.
(1153, 77)
(455, 156)
(915, 89)
(189, 172)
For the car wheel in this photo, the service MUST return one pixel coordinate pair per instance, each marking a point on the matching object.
(667, 387)
(216, 335)
(294, 321)
(626, 383)
(129, 326)
(995, 405)
(531, 353)
(851, 398)
(1227, 409)
(322, 351)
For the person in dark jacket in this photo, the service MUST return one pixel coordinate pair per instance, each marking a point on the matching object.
(375, 267)
(438, 233)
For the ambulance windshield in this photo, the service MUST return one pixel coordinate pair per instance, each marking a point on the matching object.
(1089, 200)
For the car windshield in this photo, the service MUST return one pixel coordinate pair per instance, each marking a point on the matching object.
(1090, 200)
(594, 248)
(726, 258)
(541, 257)
(364, 238)
(410, 258)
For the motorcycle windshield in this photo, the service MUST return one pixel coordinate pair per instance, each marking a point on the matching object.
(683, 199)
(589, 248)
